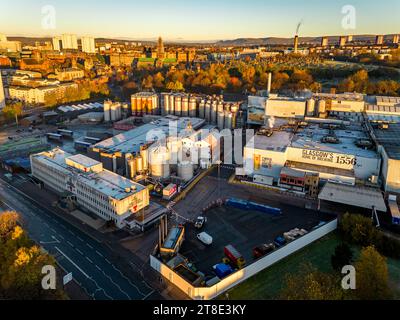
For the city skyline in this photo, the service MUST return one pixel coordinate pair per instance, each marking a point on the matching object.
(140, 21)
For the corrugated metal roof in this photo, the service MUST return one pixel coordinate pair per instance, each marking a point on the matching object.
(356, 196)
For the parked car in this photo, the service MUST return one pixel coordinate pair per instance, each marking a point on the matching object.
(205, 238)
(263, 250)
(279, 241)
(200, 221)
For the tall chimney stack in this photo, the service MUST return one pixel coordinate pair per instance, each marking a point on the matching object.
(296, 43)
(269, 83)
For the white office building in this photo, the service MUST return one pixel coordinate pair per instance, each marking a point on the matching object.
(88, 45)
(102, 192)
(57, 43)
(69, 41)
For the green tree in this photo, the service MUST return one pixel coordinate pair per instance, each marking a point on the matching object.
(21, 263)
(13, 110)
(372, 278)
(311, 284)
(343, 256)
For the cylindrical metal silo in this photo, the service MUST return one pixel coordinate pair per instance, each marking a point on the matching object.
(131, 167)
(178, 105)
(221, 120)
(208, 112)
(139, 106)
(165, 104)
(139, 164)
(159, 162)
(144, 153)
(171, 104)
(113, 112)
(202, 107)
(107, 111)
(192, 107)
(185, 106)
(228, 120)
(185, 170)
(133, 105)
(310, 107)
(149, 107)
(155, 105)
(214, 113)
(321, 106)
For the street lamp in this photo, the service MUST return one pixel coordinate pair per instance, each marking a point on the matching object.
(219, 162)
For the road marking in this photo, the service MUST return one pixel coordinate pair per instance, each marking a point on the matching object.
(61, 236)
(76, 266)
(148, 295)
(89, 245)
(99, 254)
(108, 261)
(79, 251)
(70, 244)
(52, 229)
(80, 238)
(97, 267)
(87, 258)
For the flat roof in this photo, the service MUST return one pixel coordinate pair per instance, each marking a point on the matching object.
(277, 142)
(356, 196)
(130, 141)
(83, 160)
(106, 182)
(310, 138)
(389, 139)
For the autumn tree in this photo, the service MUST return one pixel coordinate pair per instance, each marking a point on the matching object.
(147, 82)
(311, 284)
(175, 86)
(158, 80)
(372, 278)
(13, 110)
(21, 263)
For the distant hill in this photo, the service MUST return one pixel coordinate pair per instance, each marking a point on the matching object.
(268, 41)
(274, 41)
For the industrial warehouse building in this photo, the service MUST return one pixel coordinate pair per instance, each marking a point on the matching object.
(115, 151)
(341, 155)
(104, 193)
(387, 139)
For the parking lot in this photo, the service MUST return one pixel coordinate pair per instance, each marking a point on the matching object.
(244, 230)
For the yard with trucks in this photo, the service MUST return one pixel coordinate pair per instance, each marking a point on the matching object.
(268, 283)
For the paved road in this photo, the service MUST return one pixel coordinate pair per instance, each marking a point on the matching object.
(74, 251)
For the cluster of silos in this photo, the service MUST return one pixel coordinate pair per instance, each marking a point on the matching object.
(112, 111)
(137, 164)
(217, 112)
(179, 104)
(144, 103)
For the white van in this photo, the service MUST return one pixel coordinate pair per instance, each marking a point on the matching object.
(205, 238)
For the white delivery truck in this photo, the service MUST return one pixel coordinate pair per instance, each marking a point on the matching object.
(205, 238)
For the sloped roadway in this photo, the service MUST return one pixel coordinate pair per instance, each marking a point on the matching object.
(74, 251)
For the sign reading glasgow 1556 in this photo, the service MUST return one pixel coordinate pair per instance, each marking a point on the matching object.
(317, 155)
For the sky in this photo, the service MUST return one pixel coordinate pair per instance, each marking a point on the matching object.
(195, 20)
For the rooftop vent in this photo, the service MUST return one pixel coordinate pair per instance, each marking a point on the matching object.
(330, 139)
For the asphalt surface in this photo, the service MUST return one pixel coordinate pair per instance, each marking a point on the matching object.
(74, 251)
